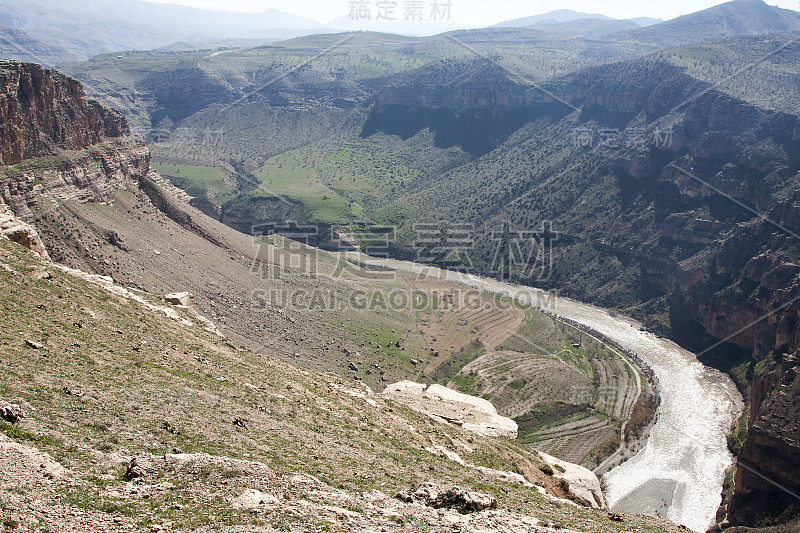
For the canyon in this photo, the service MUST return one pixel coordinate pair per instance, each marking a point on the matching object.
(95, 184)
(695, 237)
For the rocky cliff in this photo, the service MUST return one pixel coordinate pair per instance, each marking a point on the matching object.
(42, 111)
(56, 144)
(471, 104)
(767, 478)
(93, 174)
(748, 298)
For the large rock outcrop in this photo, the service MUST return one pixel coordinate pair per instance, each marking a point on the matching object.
(20, 232)
(55, 142)
(457, 498)
(471, 413)
(92, 175)
(583, 486)
(767, 476)
(42, 111)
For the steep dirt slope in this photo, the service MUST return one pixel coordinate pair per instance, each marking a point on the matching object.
(149, 420)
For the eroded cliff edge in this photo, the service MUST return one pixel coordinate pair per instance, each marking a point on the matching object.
(55, 140)
(42, 111)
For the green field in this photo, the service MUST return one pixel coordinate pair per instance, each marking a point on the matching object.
(198, 181)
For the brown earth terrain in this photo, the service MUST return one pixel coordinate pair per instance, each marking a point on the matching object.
(129, 414)
(150, 419)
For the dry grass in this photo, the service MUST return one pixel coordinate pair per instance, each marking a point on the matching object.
(115, 380)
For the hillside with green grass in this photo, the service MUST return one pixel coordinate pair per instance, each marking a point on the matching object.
(657, 181)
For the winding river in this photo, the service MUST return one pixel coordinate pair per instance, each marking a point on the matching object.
(679, 472)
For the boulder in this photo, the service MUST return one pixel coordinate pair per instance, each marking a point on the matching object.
(252, 499)
(582, 484)
(185, 299)
(20, 232)
(10, 412)
(33, 344)
(456, 498)
(140, 467)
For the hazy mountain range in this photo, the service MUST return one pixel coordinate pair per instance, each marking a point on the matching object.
(91, 27)
(573, 22)
(740, 17)
(52, 32)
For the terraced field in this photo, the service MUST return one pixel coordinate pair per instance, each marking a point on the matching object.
(569, 392)
(518, 383)
(620, 391)
(576, 439)
(593, 433)
(463, 316)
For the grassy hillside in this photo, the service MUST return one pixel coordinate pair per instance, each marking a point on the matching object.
(102, 378)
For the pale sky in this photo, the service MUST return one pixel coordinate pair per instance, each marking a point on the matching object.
(478, 12)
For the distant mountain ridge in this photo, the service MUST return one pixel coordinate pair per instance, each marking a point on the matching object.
(560, 15)
(587, 27)
(567, 21)
(56, 33)
(92, 27)
(735, 18)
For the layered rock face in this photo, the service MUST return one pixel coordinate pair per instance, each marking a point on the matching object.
(768, 471)
(42, 110)
(747, 296)
(88, 175)
(60, 145)
(56, 143)
(731, 276)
